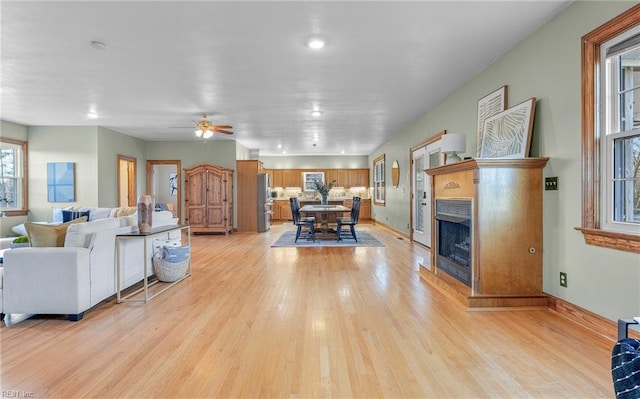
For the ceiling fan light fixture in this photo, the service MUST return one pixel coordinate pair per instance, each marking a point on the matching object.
(199, 133)
(316, 43)
(207, 134)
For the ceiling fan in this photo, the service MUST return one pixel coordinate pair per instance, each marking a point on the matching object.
(205, 128)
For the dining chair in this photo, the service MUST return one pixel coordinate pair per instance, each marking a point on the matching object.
(300, 222)
(350, 221)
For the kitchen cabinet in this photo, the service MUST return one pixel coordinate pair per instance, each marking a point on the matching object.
(277, 178)
(365, 208)
(292, 178)
(209, 199)
(358, 177)
(285, 210)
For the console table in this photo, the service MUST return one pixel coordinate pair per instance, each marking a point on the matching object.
(145, 237)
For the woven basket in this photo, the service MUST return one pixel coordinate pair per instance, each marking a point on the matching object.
(169, 272)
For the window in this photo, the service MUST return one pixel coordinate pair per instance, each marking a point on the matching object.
(13, 177)
(378, 180)
(620, 121)
(611, 133)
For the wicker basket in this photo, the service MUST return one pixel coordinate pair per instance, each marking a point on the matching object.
(169, 272)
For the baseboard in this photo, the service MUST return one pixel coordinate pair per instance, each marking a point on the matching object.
(596, 323)
(392, 229)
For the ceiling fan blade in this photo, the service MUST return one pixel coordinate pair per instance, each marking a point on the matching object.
(222, 131)
(223, 127)
(181, 127)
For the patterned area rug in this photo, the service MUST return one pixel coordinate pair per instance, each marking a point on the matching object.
(364, 240)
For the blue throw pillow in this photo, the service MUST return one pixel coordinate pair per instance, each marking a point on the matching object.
(68, 216)
(175, 254)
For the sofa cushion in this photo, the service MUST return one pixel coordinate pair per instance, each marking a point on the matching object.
(80, 234)
(48, 235)
(71, 215)
(96, 213)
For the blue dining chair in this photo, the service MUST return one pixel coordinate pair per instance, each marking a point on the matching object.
(307, 222)
(350, 221)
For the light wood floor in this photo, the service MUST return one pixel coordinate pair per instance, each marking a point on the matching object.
(255, 321)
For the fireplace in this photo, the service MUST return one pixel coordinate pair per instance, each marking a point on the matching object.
(453, 238)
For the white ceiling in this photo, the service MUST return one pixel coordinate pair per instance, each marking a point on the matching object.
(246, 64)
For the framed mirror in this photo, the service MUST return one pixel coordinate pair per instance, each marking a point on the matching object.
(395, 174)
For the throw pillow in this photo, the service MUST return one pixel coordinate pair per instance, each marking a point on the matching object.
(175, 254)
(47, 235)
(71, 215)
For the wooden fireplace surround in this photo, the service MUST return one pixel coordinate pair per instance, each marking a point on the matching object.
(506, 240)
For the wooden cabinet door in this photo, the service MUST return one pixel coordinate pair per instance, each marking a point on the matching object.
(365, 209)
(292, 178)
(359, 178)
(285, 210)
(195, 199)
(278, 178)
(215, 205)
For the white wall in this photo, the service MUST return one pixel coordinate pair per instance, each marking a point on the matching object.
(546, 66)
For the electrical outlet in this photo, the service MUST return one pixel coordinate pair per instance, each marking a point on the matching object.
(550, 183)
(563, 279)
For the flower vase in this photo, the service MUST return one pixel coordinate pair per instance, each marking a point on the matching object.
(324, 200)
(145, 212)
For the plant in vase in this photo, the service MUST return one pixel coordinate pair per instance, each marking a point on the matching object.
(323, 189)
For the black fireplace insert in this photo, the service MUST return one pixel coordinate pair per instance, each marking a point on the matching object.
(453, 238)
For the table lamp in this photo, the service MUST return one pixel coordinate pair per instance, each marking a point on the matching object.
(452, 143)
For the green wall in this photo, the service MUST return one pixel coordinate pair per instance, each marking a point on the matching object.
(547, 66)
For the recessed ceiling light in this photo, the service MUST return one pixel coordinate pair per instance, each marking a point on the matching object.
(98, 45)
(316, 43)
(316, 113)
(279, 145)
(92, 115)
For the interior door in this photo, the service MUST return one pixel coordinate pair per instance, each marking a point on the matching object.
(126, 181)
(164, 184)
(423, 158)
(419, 197)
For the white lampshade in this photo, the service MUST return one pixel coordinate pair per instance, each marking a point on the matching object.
(453, 143)
(199, 133)
(207, 134)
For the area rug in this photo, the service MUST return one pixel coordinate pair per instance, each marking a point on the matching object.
(364, 240)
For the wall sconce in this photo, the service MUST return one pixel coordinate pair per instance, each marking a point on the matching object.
(4, 215)
(453, 143)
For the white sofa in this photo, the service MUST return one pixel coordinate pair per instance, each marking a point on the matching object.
(72, 279)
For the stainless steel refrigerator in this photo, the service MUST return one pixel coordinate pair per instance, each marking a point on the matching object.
(265, 203)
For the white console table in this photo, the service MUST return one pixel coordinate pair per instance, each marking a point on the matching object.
(154, 233)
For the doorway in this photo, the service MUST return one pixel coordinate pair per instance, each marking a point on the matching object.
(425, 155)
(126, 171)
(164, 184)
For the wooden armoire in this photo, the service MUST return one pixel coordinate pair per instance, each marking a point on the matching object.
(209, 199)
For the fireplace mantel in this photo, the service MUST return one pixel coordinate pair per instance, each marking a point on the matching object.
(506, 231)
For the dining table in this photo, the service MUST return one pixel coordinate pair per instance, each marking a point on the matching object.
(323, 211)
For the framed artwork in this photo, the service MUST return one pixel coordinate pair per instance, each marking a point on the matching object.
(173, 183)
(488, 106)
(61, 182)
(309, 179)
(508, 134)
